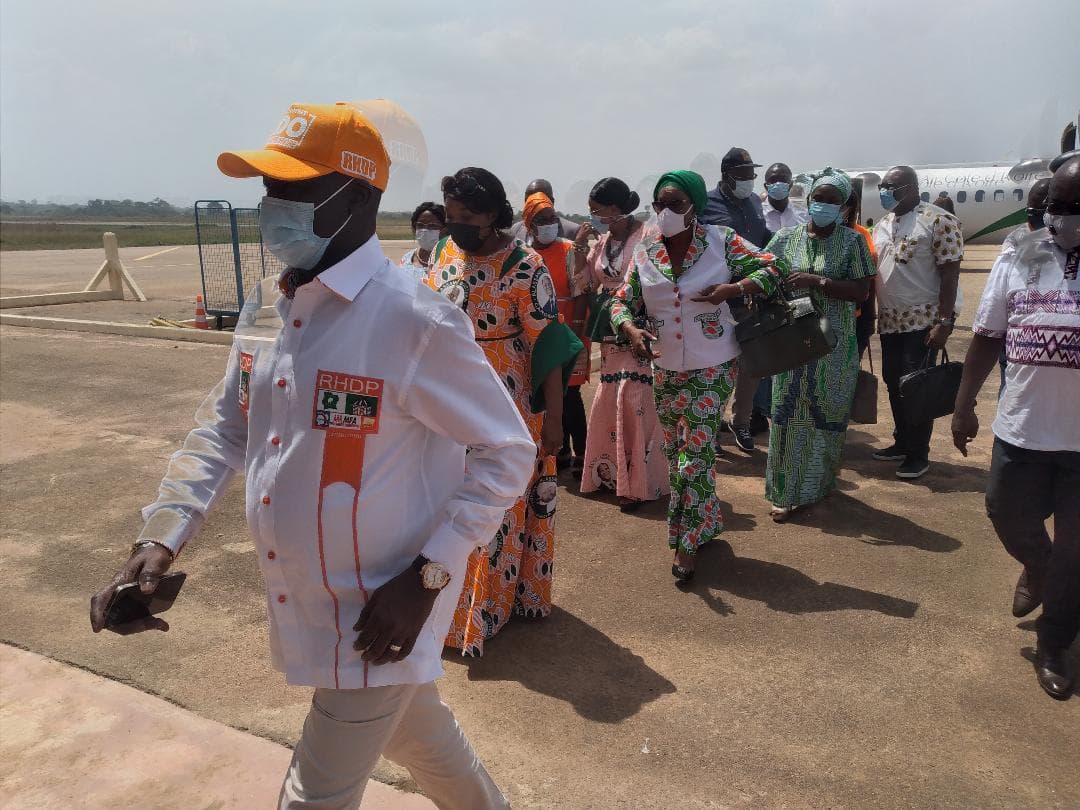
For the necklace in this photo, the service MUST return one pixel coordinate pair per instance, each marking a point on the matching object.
(614, 248)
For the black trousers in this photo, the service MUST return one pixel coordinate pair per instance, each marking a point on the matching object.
(902, 353)
(573, 423)
(1027, 487)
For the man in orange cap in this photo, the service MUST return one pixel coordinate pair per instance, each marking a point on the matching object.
(349, 409)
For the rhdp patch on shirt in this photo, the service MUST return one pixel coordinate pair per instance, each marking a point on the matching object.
(346, 402)
(243, 395)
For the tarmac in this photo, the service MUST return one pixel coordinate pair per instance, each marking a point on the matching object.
(69, 737)
(861, 655)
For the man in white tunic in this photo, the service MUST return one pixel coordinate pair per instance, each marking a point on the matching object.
(348, 404)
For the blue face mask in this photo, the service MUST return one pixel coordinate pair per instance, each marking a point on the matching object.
(778, 190)
(888, 200)
(598, 225)
(824, 214)
(288, 230)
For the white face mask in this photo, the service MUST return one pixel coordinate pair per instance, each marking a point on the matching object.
(743, 189)
(672, 224)
(288, 230)
(427, 238)
(546, 234)
(1065, 228)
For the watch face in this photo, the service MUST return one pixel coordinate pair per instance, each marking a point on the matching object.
(434, 576)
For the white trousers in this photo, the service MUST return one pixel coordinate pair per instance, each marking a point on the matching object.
(346, 731)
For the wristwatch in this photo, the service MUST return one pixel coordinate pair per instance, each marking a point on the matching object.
(948, 320)
(433, 575)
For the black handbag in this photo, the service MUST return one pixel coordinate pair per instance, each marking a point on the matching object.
(780, 335)
(931, 391)
(864, 404)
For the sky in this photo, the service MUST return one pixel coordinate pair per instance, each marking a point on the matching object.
(135, 99)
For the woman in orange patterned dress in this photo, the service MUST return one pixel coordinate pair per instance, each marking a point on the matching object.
(507, 292)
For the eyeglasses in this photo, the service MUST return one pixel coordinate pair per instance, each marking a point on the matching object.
(467, 186)
(659, 206)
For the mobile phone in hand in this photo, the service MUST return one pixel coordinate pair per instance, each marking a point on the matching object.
(129, 604)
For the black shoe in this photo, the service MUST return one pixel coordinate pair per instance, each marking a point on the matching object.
(913, 468)
(759, 423)
(743, 437)
(892, 453)
(563, 460)
(1027, 596)
(1053, 672)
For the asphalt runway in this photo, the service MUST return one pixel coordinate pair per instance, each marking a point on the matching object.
(862, 655)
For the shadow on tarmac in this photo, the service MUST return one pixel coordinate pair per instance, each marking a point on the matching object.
(603, 681)
(781, 587)
(842, 515)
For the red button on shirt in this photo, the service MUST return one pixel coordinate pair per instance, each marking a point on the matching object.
(281, 382)
(266, 499)
(678, 319)
(297, 323)
(678, 335)
(281, 598)
(270, 555)
(275, 441)
(676, 289)
(678, 303)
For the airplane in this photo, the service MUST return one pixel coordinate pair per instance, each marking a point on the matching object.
(990, 198)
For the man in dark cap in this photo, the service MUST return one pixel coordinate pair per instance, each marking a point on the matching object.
(733, 203)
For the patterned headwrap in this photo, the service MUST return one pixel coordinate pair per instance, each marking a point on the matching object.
(832, 177)
(688, 181)
(534, 204)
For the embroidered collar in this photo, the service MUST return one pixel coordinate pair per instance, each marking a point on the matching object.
(658, 252)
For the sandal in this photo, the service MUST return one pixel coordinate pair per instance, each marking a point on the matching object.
(781, 514)
(681, 572)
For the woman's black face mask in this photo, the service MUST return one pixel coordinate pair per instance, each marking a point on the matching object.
(466, 237)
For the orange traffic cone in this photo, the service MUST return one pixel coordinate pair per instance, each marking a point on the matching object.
(200, 314)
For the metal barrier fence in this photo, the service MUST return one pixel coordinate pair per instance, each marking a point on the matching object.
(231, 255)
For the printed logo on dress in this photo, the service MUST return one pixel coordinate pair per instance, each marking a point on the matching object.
(710, 325)
(543, 296)
(243, 396)
(292, 129)
(346, 402)
(457, 292)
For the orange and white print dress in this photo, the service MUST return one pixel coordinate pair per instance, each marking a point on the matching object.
(510, 298)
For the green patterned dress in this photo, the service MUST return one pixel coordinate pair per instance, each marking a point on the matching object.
(690, 402)
(811, 404)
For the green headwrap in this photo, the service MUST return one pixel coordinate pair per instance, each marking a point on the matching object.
(832, 177)
(688, 181)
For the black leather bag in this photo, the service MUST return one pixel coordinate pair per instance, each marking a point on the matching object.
(931, 391)
(780, 335)
(864, 404)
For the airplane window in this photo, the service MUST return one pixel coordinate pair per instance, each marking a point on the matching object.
(961, 196)
(980, 195)
(1019, 194)
(999, 196)
(925, 196)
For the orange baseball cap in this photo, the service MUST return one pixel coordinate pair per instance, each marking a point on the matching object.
(313, 140)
